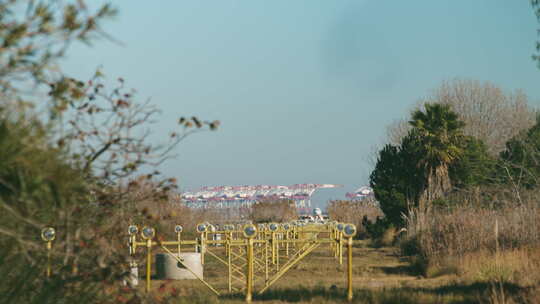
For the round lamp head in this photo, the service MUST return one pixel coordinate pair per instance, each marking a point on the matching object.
(48, 234)
(340, 227)
(132, 229)
(349, 230)
(286, 226)
(273, 227)
(148, 233)
(201, 228)
(250, 231)
(178, 228)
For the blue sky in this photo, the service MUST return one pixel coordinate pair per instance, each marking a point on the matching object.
(304, 88)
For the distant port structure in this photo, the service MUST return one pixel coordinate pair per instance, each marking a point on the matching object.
(245, 196)
(361, 193)
(364, 193)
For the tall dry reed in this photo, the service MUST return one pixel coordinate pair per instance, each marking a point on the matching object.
(467, 229)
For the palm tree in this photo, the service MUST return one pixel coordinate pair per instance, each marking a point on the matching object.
(439, 131)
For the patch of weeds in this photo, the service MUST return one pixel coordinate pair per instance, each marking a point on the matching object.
(491, 272)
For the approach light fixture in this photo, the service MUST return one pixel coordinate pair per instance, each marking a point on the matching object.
(273, 227)
(286, 226)
(201, 228)
(250, 231)
(349, 230)
(178, 228)
(339, 227)
(48, 234)
(132, 229)
(148, 233)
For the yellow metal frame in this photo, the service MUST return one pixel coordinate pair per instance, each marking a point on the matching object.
(259, 260)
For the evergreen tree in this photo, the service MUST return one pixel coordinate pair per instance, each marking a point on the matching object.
(397, 180)
(475, 167)
(521, 159)
(440, 134)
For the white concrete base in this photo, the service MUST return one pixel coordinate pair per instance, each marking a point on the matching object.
(168, 267)
(132, 279)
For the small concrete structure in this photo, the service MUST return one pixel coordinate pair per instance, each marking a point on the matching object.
(168, 267)
(132, 278)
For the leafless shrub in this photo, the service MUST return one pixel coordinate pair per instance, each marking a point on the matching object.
(273, 211)
(354, 212)
(108, 130)
(489, 113)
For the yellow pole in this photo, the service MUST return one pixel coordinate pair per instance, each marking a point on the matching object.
(340, 248)
(148, 263)
(266, 261)
(179, 237)
(227, 238)
(277, 255)
(203, 246)
(230, 265)
(287, 243)
(249, 276)
(333, 244)
(49, 246)
(273, 248)
(336, 245)
(349, 269)
(134, 243)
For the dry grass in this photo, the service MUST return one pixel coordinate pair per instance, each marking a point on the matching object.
(495, 246)
(518, 266)
(458, 231)
(380, 276)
